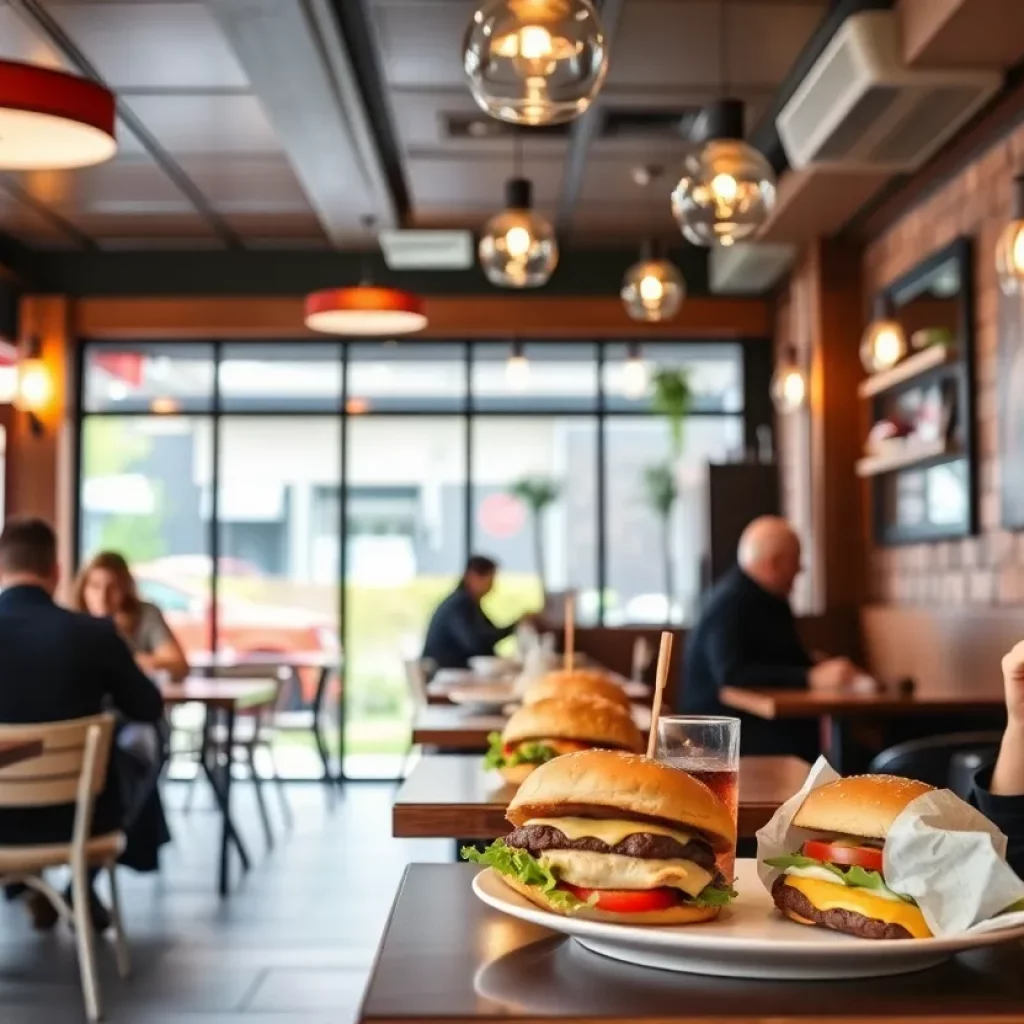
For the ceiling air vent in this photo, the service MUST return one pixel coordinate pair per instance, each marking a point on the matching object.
(427, 250)
(748, 268)
(859, 107)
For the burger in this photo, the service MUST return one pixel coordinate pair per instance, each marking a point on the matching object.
(538, 732)
(837, 879)
(615, 837)
(578, 681)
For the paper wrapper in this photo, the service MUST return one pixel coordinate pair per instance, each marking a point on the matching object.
(940, 851)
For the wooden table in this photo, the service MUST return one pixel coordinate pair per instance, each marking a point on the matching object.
(323, 662)
(836, 707)
(446, 679)
(445, 956)
(452, 796)
(224, 697)
(15, 751)
(452, 729)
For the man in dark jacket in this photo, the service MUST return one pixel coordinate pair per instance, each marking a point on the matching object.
(56, 665)
(747, 636)
(459, 629)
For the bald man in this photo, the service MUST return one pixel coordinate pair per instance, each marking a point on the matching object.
(747, 636)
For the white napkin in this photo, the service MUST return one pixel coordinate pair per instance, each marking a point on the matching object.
(940, 851)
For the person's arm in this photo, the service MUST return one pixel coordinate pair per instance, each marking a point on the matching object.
(165, 653)
(132, 692)
(730, 665)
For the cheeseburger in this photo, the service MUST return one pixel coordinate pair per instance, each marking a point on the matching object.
(538, 732)
(578, 681)
(615, 837)
(836, 880)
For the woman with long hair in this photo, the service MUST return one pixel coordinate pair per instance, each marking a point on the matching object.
(106, 588)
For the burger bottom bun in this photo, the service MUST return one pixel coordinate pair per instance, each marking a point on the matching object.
(516, 775)
(683, 913)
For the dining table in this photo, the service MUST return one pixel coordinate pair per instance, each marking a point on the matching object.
(287, 663)
(446, 680)
(224, 699)
(453, 728)
(446, 956)
(841, 710)
(452, 796)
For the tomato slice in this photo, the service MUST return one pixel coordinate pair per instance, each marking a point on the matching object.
(835, 853)
(626, 901)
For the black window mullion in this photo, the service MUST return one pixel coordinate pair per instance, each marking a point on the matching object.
(344, 354)
(468, 441)
(600, 471)
(214, 538)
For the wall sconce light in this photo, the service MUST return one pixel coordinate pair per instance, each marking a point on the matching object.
(35, 385)
(789, 385)
(884, 342)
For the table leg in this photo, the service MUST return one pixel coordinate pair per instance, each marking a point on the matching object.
(318, 701)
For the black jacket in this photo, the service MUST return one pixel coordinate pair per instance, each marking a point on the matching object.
(746, 636)
(55, 665)
(1007, 812)
(459, 630)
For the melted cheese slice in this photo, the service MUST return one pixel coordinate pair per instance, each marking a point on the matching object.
(613, 871)
(610, 831)
(835, 896)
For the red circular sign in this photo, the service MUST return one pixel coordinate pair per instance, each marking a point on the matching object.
(501, 515)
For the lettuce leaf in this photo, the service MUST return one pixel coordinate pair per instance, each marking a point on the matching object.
(854, 875)
(713, 896)
(507, 860)
(526, 753)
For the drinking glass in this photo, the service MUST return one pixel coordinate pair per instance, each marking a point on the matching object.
(708, 748)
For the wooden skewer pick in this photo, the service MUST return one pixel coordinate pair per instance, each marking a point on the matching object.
(661, 677)
(570, 632)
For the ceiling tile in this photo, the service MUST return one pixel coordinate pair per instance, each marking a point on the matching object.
(151, 45)
(765, 39)
(421, 41)
(19, 40)
(479, 184)
(607, 179)
(145, 226)
(206, 124)
(297, 225)
(247, 183)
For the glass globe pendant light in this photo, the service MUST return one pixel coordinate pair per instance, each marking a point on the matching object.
(884, 342)
(535, 62)
(653, 289)
(788, 385)
(727, 189)
(518, 248)
(1010, 247)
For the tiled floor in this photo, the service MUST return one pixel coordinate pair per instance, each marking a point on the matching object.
(292, 944)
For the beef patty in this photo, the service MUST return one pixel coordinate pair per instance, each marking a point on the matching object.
(795, 902)
(643, 845)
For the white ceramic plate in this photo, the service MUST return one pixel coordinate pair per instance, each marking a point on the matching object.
(492, 667)
(749, 940)
(482, 696)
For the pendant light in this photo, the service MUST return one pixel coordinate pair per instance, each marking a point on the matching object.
(365, 310)
(50, 120)
(653, 289)
(789, 385)
(517, 368)
(518, 247)
(884, 342)
(1010, 247)
(535, 62)
(634, 372)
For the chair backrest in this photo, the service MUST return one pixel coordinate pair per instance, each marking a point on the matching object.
(934, 759)
(416, 680)
(71, 768)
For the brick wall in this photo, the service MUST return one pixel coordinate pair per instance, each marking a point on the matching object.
(989, 568)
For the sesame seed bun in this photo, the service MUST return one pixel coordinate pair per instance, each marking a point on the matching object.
(579, 681)
(587, 719)
(861, 805)
(610, 784)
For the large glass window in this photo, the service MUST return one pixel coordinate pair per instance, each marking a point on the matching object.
(306, 498)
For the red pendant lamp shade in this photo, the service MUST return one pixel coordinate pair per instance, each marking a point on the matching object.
(50, 120)
(365, 311)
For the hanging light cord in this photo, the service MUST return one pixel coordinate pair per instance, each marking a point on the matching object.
(723, 48)
(517, 153)
(366, 276)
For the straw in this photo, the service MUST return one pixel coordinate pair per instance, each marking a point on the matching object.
(570, 632)
(661, 677)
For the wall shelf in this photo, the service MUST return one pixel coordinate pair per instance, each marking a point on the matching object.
(908, 456)
(913, 366)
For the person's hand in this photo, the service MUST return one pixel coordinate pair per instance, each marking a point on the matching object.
(1013, 682)
(832, 674)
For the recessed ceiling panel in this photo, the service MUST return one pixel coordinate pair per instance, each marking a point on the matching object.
(421, 40)
(206, 124)
(766, 38)
(19, 40)
(478, 184)
(240, 182)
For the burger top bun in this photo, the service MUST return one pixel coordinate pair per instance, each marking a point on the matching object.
(584, 718)
(861, 805)
(578, 681)
(611, 784)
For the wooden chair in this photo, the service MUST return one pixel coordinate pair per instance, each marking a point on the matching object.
(416, 670)
(71, 770)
